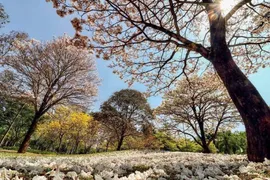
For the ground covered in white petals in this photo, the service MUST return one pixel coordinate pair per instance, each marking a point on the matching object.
(133, 165)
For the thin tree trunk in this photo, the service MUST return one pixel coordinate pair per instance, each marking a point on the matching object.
(11, 125)
(203, 139)
(251, 106)
(120, 143)
(107, 144)
(76, 147)
(60, 143)
(31, 130)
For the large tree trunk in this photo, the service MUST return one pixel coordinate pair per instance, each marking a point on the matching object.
(206, 148)
(254, 111)
(31, 130)
(251, 106)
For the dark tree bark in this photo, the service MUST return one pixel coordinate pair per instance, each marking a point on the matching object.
(120, 143)
(204, 145)
(76, 147)
(251, 106)
(60, 142)
(107, 144)
(206, 148)
(31, 130)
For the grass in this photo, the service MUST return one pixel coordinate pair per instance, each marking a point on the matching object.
(12, 152)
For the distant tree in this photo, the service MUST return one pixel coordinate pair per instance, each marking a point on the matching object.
(123, 112)
(52, 73)
(167, 142)
(68, 127)
(15, 118)
(198, 108)
(231, 142)
(3, 16)
(7, 42)
(156, 42)
(78, 125)
(15, 108)
(56, 128)
(92, 135)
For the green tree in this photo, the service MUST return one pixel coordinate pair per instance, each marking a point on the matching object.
(15, 119)
(231, 143)
(123, 112)
(167, 142)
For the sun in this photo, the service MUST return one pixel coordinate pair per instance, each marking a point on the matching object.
(226, 6)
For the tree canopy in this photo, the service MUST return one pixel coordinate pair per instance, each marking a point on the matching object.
(124, 114)
(158, 41)
(51, 73)
(198, 109)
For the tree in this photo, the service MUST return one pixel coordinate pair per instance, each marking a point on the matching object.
(123, 112)
(198, 108)
(15, 118)
(156, 42)
(7, 42)
(57, 128)
(231, 142)
(92, 135)
(78, 125)
(53, 73)
(14, 108)
(3, 16)
(70, 128)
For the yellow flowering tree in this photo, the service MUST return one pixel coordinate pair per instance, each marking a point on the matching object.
(69, 128)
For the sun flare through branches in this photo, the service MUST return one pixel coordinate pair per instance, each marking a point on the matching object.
(227, 5)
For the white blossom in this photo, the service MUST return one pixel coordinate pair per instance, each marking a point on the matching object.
(134, 165)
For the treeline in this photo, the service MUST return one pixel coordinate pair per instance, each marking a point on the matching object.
(124, 122)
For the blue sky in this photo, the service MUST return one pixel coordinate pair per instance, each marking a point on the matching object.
(39, 20)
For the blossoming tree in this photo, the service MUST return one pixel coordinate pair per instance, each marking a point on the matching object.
(52, 73)
(158, 41)
(68, 129)
(198, 109)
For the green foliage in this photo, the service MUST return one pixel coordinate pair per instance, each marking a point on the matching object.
(187, 145)
(15, 119)
(125, 114)
(167, 142)
(231, 143)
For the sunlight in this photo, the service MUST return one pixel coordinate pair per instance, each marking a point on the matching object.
(226, 6)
